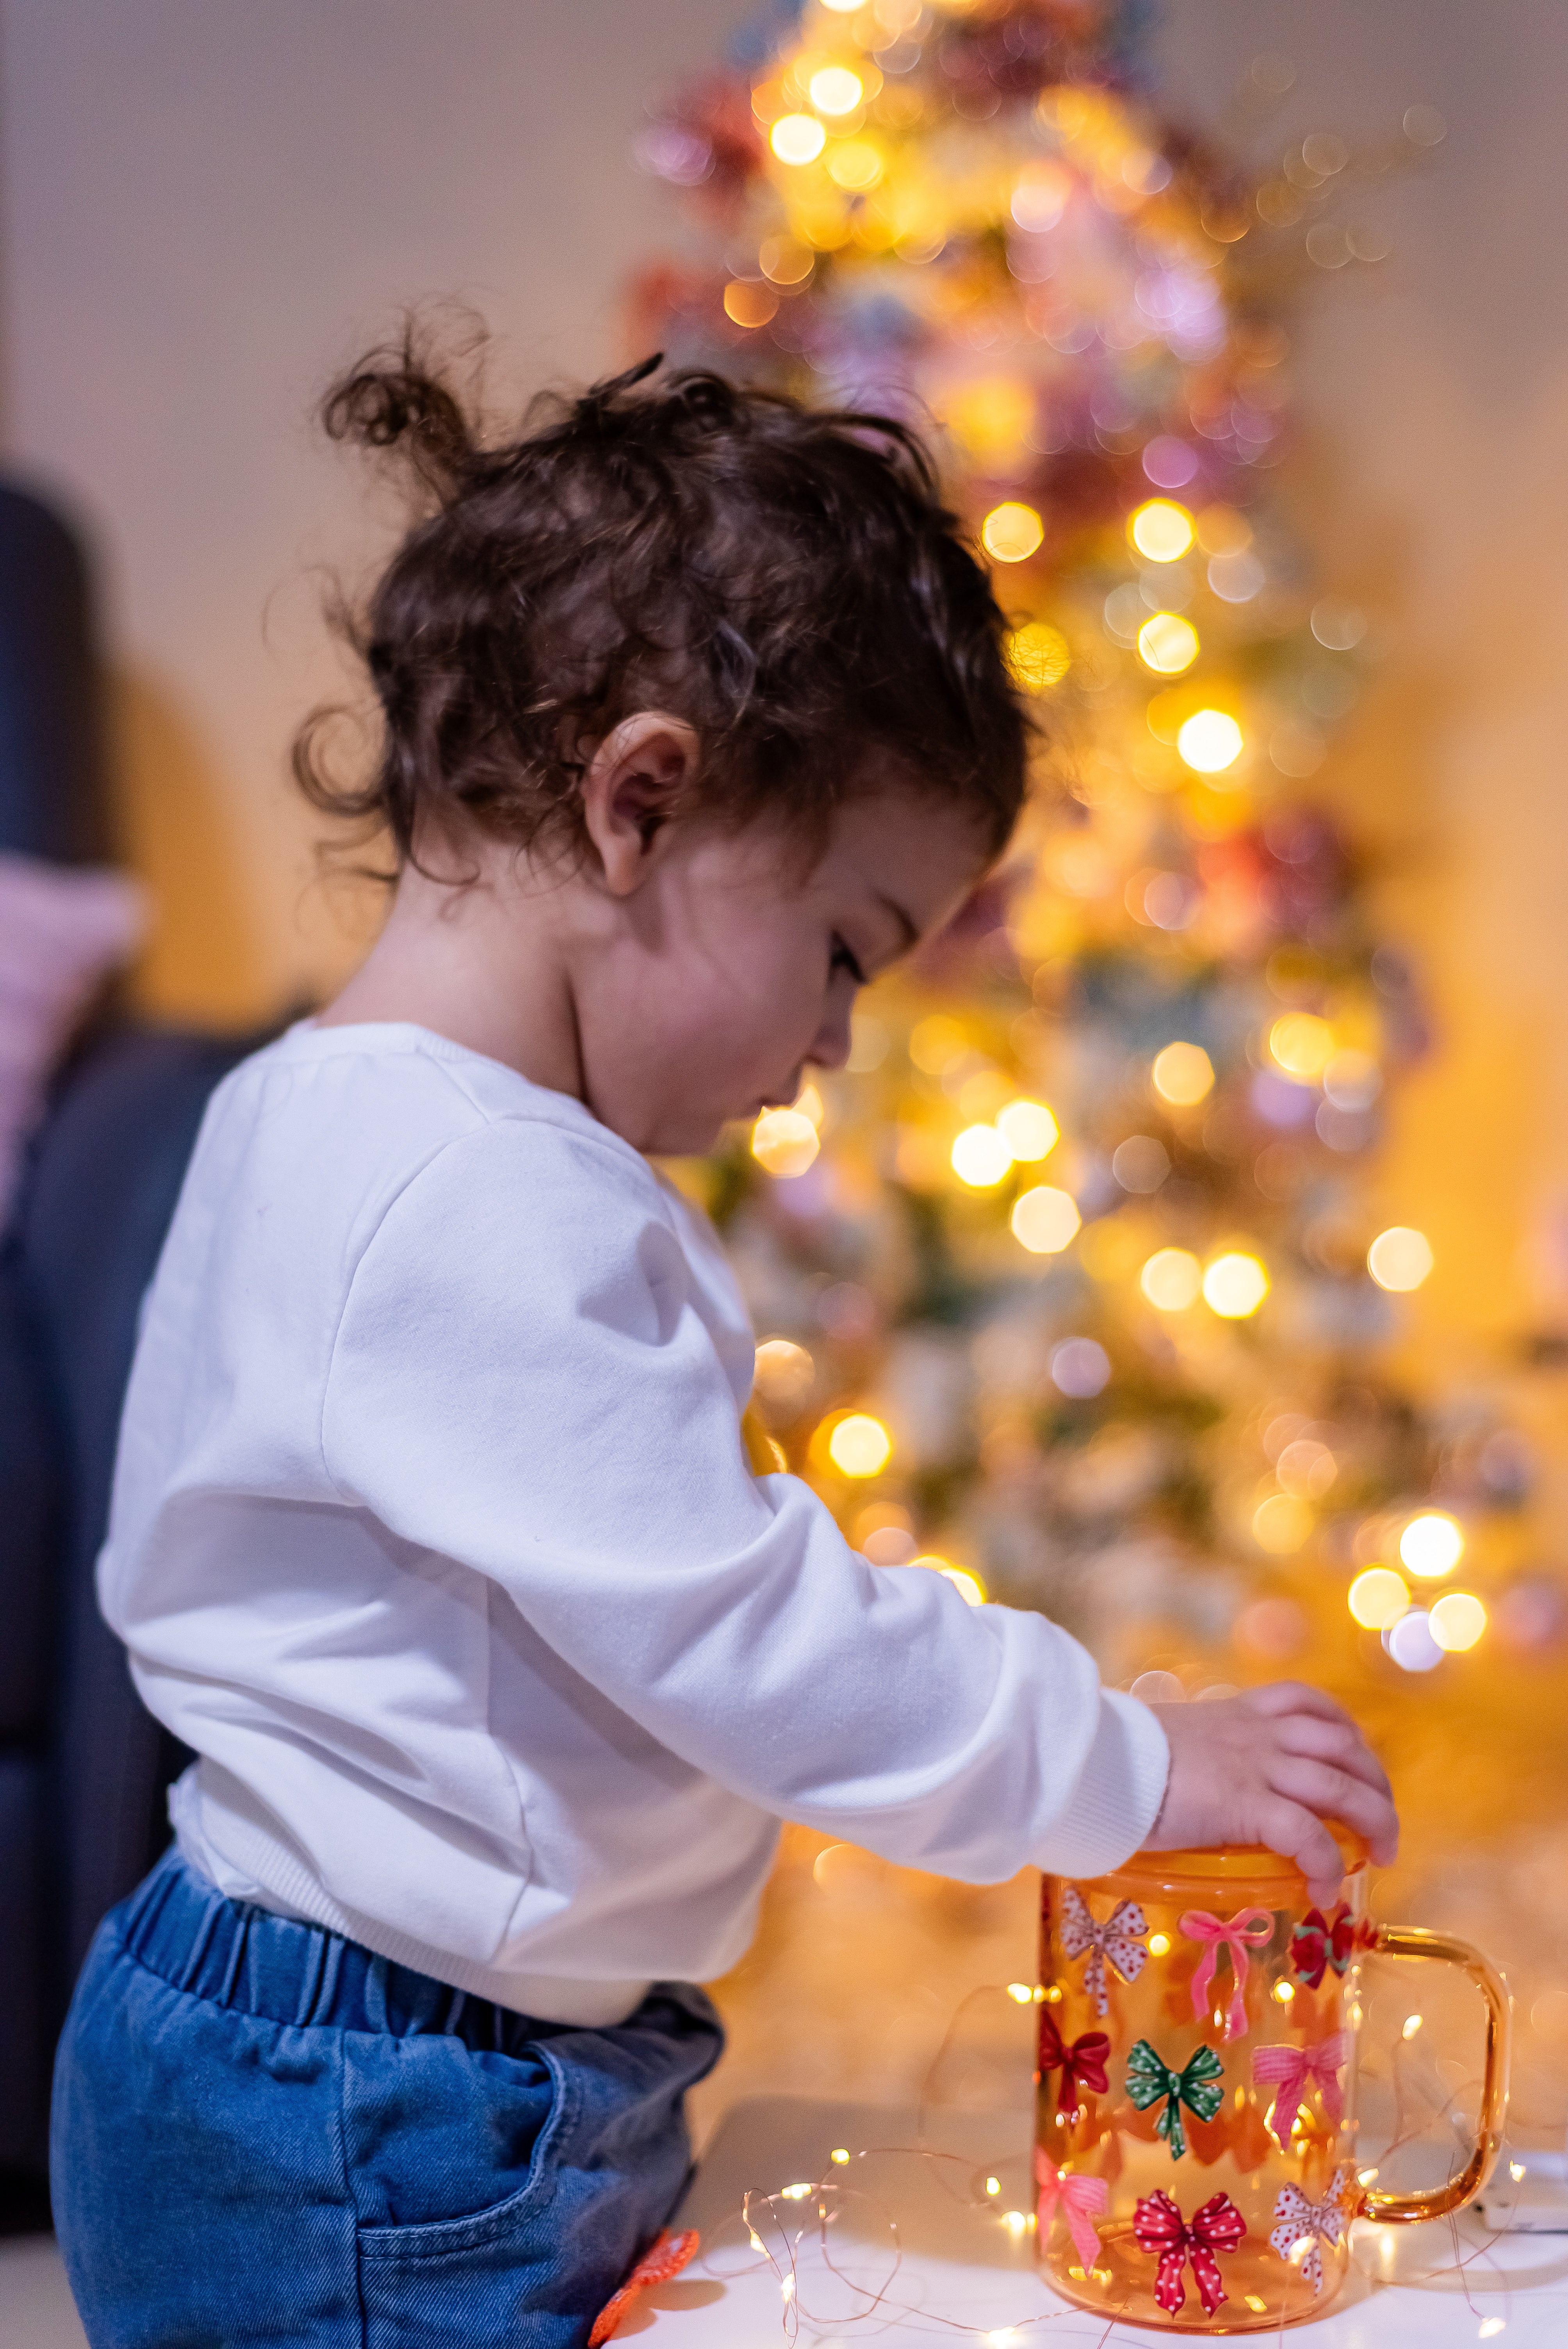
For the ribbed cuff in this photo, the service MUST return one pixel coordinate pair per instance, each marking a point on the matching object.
(1118, 1796)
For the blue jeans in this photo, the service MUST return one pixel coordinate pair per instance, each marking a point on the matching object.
(264, 2133)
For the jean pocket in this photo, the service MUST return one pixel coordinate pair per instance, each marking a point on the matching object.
(444, 2143)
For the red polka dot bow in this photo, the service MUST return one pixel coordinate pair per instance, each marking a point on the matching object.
(1157, 2226)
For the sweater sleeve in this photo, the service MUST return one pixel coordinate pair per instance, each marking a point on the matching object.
(521, 1381)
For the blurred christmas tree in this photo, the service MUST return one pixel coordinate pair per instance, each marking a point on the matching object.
(1068, 1285)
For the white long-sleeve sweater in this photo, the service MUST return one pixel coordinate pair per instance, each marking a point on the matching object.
(433, 1534)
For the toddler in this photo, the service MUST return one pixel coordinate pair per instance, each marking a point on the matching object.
(434, 1534)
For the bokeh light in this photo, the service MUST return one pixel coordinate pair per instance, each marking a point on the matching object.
(1432, 1545)
(1234, 1285)
(1028, 1129)
(1044, 1220)
(1161, 529)
(1281, 1523)
(1168, 644)
(1040, 196)
(1039, 656)
(1080, 1367)
(1400, 1257)
(1378, 1598)
(860, 1445)
(784, 1140)
(1302, 1044)
(749, 305)
(836, 90)
(1011, 532)
(936, 1042)
(968, 1586)
(1410, 1642)
(1172, 1280)
(784, 1371)
(856, 165)
(980, 1157)
(1209, 741)
(1458, 1620)
(797, 138)
(1184, 1075)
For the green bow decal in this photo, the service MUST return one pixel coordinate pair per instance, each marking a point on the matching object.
(1198, 2087)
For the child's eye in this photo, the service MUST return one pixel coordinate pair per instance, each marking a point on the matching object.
(845, 958)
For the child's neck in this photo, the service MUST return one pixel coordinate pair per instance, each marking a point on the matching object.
(478, 965)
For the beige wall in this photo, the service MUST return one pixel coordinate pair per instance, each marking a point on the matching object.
(207, 204)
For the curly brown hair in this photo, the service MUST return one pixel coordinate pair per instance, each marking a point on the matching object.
(785, 579)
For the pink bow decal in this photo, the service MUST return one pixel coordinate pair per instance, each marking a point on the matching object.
(1291, 2072)
(1299, 2222)
(1083, 2200)
(1249, 1928)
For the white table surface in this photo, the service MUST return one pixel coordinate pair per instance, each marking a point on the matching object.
(961, 2275)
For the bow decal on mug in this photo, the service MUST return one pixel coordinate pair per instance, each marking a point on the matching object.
(1082, 2200)
(1291, 2070)
(1299, 2222)
(1119, 1941)
(1197, 2085)
(1082, 2065)
(1319, 1942)
(1157, 2226)
(1249, 1928)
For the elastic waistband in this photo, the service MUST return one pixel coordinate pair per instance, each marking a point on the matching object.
(197, 1940)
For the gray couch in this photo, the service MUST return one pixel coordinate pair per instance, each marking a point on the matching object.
(83, 1768)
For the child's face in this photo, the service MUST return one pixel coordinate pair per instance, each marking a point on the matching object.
(732, 971)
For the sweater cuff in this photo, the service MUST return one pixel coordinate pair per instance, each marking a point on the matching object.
(1118, 1796)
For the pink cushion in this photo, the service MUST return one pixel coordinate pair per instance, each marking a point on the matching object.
(62, 933)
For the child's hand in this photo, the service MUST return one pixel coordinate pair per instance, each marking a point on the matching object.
(1268, 1768)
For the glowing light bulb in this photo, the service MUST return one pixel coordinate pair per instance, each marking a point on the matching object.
(1378, 1598)
(1172, 1280)
(1161, 531)
(797, 138)
(1038, 656)
(1021, 1993)
(1159, 1943)
(1235, 1285)
(1412, 2025)
(1184, 1075)
(1400, 1257)
(839, 2153)
(1168, 644)
(1028, 1129)
(1011, 533)
(784, 1140)
(860, 1445)
(1209, 741)
(1432, 1545)
(1044, 1220)
(980, 1157)
(1457, 1620)
(836, 90)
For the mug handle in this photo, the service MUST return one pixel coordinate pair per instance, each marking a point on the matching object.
(1436, 2201)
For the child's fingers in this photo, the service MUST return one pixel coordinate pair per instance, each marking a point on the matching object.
(1293, 1696)
(1293, 1832)
(1340, 1742)
(1334, 1793)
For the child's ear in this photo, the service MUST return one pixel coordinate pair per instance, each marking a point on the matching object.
(635, 781)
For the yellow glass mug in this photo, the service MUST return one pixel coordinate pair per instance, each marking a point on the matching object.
(1195, 2132)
